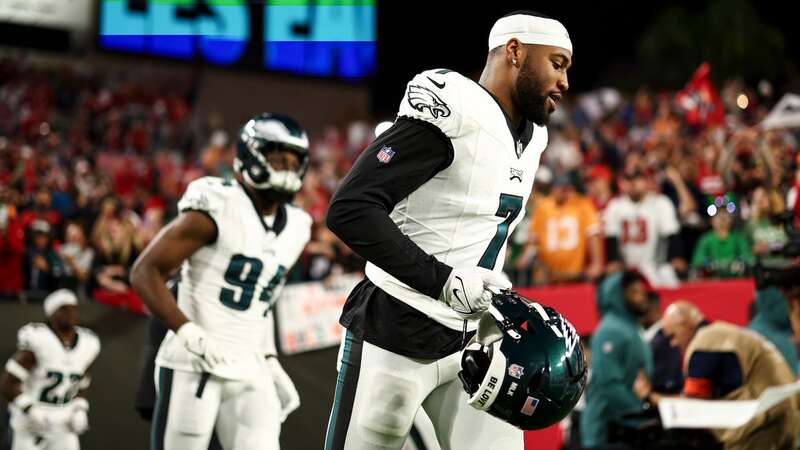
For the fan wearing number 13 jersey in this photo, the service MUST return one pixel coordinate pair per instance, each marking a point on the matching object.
(430, 205)
(642, 232)
(234, 241)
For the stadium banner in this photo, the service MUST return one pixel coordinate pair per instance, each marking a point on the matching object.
(307, 314)
(60, 14)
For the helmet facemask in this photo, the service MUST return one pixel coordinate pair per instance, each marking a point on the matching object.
(261, 138)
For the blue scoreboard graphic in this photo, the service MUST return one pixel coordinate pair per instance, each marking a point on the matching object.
(325, 38)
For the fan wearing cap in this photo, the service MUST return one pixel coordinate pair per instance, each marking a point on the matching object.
(45, 380)
(430, 205)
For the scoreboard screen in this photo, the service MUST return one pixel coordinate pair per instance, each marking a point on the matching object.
(324, 38)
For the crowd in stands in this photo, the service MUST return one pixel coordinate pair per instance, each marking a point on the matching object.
(92, 164)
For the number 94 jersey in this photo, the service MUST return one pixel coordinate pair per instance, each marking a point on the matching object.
(56, 377)
(227, 287)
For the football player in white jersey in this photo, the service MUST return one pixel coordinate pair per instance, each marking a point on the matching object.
(642, 232)
(234, 242)
(430, 205)
(45, 380)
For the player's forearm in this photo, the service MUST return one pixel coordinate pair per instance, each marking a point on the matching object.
(150, 284)
(10, 387)
(367, 229)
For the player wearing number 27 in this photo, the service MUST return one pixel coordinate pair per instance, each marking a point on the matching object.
(430, 205)
(45, 380)
(233, 241)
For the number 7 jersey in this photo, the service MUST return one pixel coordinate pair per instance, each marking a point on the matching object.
(229, 286)
(464, 214)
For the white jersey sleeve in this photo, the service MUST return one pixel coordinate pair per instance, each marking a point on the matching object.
(205, 195)
(31, 338)
(90, 344)
(434, 96)
(667, 217)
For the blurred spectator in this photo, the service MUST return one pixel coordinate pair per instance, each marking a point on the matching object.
(722, 252)
(689, 200)
(636, 224)
(325, 256)
(565, 236)
(41, 209)
(78, 258)
(771, 320)
(12, 245)
(764, 232)
(42, 267)
(106, 215)
(112, 263)
(152, 222)
(746, 164)
(619, 354)
(598, 186)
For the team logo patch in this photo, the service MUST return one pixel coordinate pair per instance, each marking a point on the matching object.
(422, 98)
(516, 371)
(385, 154)
(198, 201)
(530, 406)
(516, 175)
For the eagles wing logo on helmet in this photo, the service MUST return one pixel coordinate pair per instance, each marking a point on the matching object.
(421, 98)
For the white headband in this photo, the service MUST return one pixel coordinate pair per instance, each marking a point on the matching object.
(529, 30)
(57, 299)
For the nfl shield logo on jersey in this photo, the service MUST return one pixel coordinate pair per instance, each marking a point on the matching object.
(385, 154)
(516, 371)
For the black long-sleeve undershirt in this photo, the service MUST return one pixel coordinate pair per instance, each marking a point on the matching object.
(359, 211)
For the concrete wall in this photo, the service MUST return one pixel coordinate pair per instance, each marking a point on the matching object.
(115, 424)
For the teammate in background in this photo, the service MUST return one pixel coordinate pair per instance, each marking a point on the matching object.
(44, 382)
(637, 224)
(566, 235)
(234, 242)
(430, 204)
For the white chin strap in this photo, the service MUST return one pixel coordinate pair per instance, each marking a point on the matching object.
(492, 382)
(283, 180)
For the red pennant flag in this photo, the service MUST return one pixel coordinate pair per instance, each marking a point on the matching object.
(700, 101)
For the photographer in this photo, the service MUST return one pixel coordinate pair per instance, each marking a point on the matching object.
(726, 362)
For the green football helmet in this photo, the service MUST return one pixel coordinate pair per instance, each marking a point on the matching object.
(265, 133)
(525, 364)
